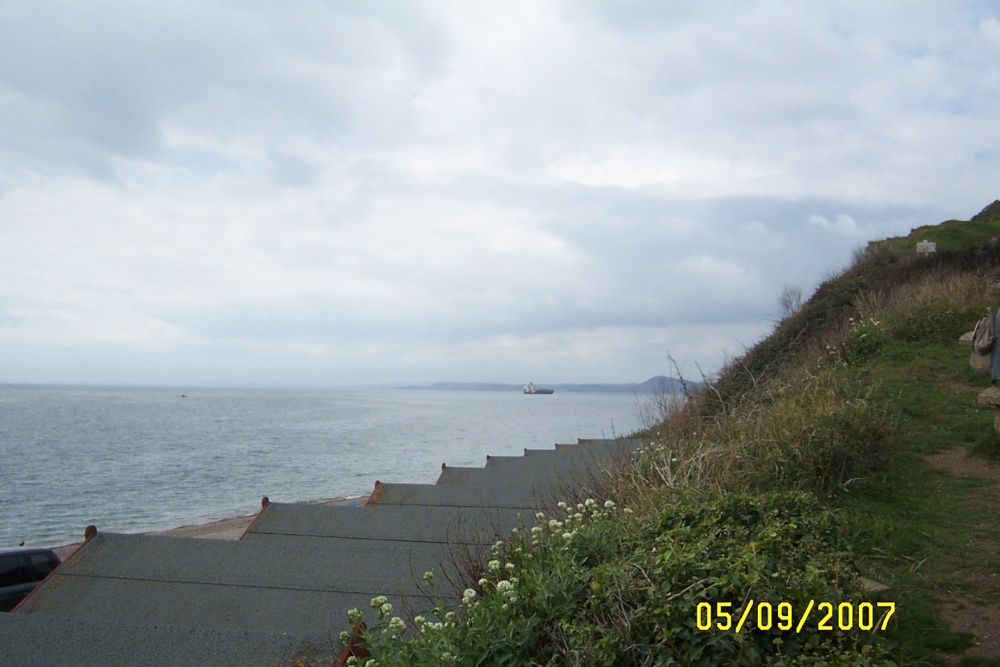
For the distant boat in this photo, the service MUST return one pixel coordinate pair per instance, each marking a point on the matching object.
(530, 388)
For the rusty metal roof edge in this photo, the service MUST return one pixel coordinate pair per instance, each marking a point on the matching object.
(89, 533)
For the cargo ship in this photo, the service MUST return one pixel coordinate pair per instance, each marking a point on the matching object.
(530, 388)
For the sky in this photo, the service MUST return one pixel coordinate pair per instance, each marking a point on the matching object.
(350, 193)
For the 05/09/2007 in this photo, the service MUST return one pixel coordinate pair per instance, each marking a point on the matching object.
(831, 616)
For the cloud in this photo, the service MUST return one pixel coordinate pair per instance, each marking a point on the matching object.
(367, 191)
(842, 224)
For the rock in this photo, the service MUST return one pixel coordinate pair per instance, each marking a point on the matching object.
(991, 396)
(872, 586)
(980, 362)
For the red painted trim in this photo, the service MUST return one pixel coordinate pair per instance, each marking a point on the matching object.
(264, 502)
(353, 646)
(373, 498)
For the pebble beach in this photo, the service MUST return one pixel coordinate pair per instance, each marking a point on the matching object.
(222, 529)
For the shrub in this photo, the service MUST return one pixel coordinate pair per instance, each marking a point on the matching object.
(864, 340)
(607, 589)
(822, 433)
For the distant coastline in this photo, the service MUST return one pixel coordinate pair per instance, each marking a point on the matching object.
(659, 384)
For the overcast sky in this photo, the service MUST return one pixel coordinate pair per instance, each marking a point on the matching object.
(340, 193)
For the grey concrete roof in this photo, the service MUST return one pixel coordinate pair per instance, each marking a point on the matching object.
(525, 497)
(60, 641)
(582, 466)
(266, 586)
(158, 600)
(448, 525)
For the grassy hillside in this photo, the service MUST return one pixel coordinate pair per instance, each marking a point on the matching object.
(827, 458)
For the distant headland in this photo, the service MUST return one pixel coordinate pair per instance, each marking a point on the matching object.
(659, 384)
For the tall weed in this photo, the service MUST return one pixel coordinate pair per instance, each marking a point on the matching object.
(940, 306)
(818, 435)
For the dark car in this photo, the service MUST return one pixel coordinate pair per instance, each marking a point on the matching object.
(20, 571)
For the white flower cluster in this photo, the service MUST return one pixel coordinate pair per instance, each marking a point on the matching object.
(505, 588)
(354, 661)
(423, 625)
(395, 624)
(575, 517)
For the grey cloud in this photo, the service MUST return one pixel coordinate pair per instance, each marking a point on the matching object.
(292, 171)
(333, 189)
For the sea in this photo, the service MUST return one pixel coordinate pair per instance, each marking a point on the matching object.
(133, 460)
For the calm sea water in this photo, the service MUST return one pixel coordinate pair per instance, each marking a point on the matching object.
(140, 459)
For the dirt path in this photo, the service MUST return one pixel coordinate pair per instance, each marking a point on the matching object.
(964, 612)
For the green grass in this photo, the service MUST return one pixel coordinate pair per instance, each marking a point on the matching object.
(917, 536)
(923, 531)
(954, 235)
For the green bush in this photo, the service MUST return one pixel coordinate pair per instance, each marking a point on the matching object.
(864, 340)
(844, 441)
(599, 587)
